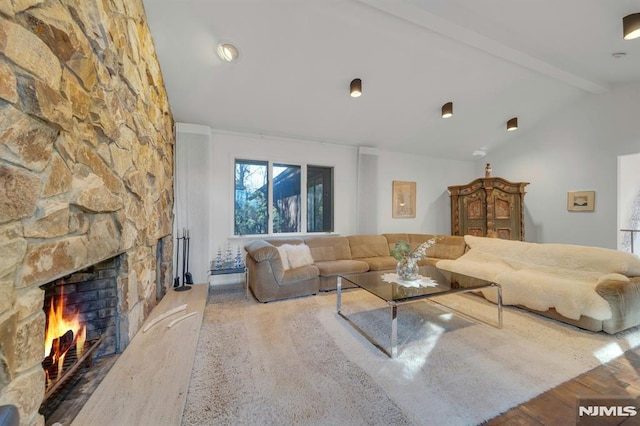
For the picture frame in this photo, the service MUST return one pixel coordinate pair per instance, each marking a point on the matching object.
(581, 201)
(403, 199)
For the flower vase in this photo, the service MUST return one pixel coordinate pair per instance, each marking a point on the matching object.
(407, 269)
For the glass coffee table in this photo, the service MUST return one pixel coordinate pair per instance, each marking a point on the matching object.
(434, 283)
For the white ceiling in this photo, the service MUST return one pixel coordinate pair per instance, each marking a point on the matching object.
(493, 59)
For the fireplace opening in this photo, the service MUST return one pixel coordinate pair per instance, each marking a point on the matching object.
(81, 327)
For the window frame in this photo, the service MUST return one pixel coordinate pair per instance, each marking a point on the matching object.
(303, 197)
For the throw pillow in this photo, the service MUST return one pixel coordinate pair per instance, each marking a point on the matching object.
(299, 255)
(283, 257)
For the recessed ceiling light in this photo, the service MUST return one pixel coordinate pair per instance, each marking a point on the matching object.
(512, 124)
(619, 55)
(227, 52)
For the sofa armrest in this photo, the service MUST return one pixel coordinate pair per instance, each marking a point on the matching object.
(261, 250)
(624, 299)
(267, 255)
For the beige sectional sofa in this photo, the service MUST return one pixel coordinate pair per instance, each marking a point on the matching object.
(589, 287)
(270, 279)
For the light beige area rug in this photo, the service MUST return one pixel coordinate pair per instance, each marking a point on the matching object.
(298, 362)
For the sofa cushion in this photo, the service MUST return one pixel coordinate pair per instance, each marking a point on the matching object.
(392, 239)
(445, 247)
(366, 246)
(380, 263)
(329, 248)
(323, 254)
(339, 267)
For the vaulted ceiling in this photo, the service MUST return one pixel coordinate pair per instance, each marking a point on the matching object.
(493, 59)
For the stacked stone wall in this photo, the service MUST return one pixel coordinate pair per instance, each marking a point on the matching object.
(86, 168)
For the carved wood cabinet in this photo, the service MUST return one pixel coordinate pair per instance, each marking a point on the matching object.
(488, 207)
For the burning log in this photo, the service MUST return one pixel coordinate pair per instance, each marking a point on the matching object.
(63, 334)
(59, 347)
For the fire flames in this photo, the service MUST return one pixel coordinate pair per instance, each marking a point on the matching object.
(62, 333)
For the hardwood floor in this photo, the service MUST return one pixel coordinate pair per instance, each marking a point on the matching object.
(558, 406)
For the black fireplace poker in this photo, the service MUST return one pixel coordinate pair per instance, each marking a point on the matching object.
(176, 281)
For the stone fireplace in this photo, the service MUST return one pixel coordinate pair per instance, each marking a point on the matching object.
(86, 170)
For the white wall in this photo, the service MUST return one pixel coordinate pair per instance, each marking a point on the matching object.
(432, 177)
(575, 149)
(191, 208)
(205, 173)
(629, 201)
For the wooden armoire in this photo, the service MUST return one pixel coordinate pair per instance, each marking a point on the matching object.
(488, 207)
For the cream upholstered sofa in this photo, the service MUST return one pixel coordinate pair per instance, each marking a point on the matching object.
(589, 287)
(319, 260)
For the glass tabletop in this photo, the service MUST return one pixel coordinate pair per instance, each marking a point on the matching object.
(438, 282)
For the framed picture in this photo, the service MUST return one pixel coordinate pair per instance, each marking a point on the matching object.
(581, 201)
(404, 199)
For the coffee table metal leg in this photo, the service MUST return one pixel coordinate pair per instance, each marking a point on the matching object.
(394, 329)
(339, 294)
(499, 290)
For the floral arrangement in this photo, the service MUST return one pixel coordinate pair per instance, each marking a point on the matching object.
(407, 267)
(402, 250)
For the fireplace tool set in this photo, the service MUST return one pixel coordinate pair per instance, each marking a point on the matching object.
(187, 278)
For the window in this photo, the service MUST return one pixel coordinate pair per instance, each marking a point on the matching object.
(286, 198)
(259, 184)
(250, 207)
(319, 199)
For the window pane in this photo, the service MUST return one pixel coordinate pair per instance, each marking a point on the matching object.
(286, 198)
(251, 216)
(319, 199)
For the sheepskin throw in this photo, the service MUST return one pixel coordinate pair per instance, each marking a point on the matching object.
(544, 276)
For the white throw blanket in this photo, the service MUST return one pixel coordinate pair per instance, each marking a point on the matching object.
(544, 276)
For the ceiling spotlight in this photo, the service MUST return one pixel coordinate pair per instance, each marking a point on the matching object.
(512, 124)
(631, 26)
(447, 110)
(227, 52)
(355, 87)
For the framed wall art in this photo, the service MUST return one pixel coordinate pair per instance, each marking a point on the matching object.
(581, 201)
(404, 199)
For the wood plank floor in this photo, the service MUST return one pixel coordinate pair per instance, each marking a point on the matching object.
(558, 406)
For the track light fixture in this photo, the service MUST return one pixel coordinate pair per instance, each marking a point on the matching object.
(512, 124)
(355, 88)
(447, 110)
(631, 26)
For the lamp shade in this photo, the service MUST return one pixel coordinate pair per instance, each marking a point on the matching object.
(447, 110)
(512, 124)
(631, 26)
(355, 88)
